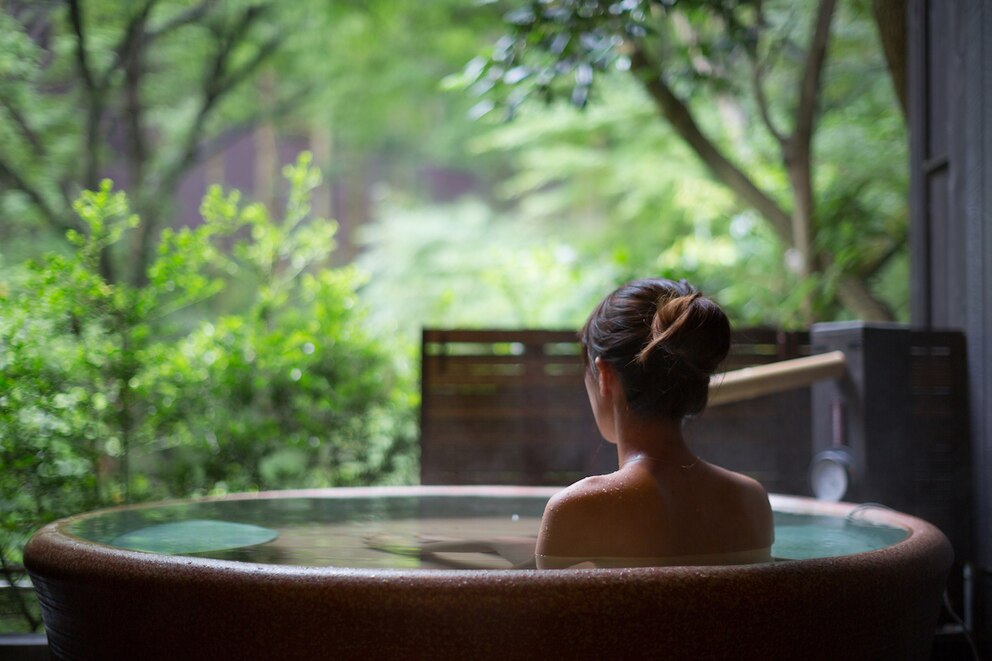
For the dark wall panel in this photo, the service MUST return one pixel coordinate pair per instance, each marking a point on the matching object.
(950, 79)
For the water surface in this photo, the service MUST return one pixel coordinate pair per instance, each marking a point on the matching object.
(426, 532)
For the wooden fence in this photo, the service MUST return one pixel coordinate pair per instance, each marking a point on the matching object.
(510, 407)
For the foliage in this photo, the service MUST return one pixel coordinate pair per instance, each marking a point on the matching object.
(464, 265)
(137, 91)
(628, 194)
(598, 201)
(144, 92)
(794, 135)
(110, 394)
(376, 65)
(555, 49)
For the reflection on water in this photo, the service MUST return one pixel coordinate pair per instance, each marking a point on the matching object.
(193, 536)
(382, 532)
(425, 532)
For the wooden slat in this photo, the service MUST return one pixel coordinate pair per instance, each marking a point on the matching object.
(489, 417)
(489, 336)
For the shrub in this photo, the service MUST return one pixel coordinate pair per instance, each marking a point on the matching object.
(112, 393)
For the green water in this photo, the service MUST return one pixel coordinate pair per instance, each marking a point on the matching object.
(804, 536)
(398, 531)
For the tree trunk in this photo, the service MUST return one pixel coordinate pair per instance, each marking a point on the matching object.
(855, 295)
(852, 292)
(136, 152)
(266, 147)
(797, 149)
(680, 118)
(890, 19)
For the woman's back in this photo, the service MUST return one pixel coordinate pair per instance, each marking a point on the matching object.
(650, 514)
(650, 348)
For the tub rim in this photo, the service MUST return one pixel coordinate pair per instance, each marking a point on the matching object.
(47, 546)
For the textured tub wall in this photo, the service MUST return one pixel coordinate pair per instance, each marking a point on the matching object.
(105, 603)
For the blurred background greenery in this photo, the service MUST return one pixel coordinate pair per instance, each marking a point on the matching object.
(222, 316)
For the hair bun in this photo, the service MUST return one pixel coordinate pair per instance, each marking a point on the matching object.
(664, 339)
(691, 327)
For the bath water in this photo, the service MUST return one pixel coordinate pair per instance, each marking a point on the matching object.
(427, 532)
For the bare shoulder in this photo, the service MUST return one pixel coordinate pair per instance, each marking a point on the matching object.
(567, 516)
(746, 484)
(752, 498)
(579, 497)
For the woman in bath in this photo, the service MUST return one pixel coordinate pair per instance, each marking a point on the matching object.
(650, 348)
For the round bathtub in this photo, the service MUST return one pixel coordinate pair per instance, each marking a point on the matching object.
(258, 598)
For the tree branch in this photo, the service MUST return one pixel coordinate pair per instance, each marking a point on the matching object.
(29, 135)
(264, 52)
(809, 89)
(890, 19)
(94, 94)
(136, 152)
(19, 183)
(131, 55)
(82, 60)
(854, 293)
(681, 119)
(134, 34)
(191, 15)
(880, 260)
(219, 82)
(757, 84)
(758, 69)
(32, 138)
(797, 150)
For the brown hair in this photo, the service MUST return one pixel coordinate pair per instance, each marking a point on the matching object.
(664, 339)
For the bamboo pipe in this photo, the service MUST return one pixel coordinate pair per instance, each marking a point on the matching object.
(784, 375)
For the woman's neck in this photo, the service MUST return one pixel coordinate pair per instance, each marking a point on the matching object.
(656, 439)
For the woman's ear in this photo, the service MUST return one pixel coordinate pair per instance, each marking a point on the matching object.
(607, 379)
